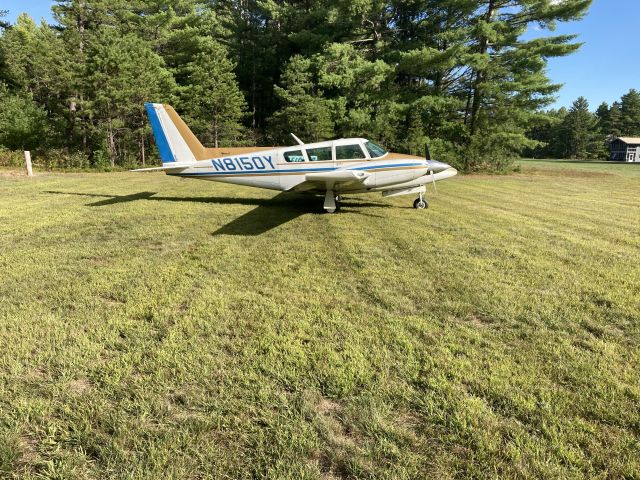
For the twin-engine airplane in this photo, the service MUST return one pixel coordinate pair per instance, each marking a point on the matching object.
(332, 168)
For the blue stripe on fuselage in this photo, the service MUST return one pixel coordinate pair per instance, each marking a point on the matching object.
(161, 139)
(295, 170)
(374, 167)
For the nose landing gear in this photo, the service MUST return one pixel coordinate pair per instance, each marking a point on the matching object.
(420, 203)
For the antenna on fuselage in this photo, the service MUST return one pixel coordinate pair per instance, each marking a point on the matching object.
(300, 142)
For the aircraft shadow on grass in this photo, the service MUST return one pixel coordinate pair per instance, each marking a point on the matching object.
(268, 214)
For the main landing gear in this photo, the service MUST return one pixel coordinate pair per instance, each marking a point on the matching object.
(331, 201)
(420, 203)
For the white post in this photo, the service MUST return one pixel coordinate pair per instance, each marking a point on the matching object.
(27, 159)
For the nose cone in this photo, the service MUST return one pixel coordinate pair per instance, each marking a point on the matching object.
(437, 167)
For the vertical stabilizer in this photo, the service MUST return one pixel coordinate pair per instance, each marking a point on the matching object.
(170, 131)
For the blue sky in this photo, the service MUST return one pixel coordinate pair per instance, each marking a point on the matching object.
(606, 67)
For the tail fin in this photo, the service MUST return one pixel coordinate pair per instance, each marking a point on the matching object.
(176, 142)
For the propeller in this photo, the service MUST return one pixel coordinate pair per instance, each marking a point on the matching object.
(427, 156)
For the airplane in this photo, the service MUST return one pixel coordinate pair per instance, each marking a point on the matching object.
(332, 168)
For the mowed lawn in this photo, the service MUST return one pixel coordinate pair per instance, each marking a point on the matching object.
(153, 327)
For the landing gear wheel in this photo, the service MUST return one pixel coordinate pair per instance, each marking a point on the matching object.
(338, 203)
(420, 204)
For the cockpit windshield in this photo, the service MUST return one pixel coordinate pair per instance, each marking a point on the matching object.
(375, 151)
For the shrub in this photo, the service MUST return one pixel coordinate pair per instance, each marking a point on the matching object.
(11, 158)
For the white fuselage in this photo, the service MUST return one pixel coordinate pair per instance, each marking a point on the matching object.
(270, 169)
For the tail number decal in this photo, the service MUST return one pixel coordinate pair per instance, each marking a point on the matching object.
(242, 164)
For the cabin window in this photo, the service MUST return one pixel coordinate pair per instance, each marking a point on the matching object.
(375, 151)
(294, 156)
(348, 152)
(319, 154)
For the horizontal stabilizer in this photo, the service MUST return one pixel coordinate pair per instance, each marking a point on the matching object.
(173, 166)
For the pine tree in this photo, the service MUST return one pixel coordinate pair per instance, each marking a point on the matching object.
(361, 92)
(602, 112)
(614, 120)
(22, 122)
(630, 113)
(125, 73)
(259, 47)
(304, 111)
(454, 73)
(35, 61)
(167, 36)
(432, 55)
(506, 82)
(212, 100)
(580, 128)
(548, 132)
(3, 23)
(17, 49)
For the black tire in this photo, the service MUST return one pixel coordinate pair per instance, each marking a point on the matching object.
(420, 204)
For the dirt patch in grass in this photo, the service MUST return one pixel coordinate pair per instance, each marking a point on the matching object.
(340, 441)
(28, 450)
(479, 320)
(79, 386)
(337, 434)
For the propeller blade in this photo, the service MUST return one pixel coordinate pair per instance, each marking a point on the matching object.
(427, 154)
(433, 180)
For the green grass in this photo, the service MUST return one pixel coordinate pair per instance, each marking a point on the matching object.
(595, 166)
(152, 327)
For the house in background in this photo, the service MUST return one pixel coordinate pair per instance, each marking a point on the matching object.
(625, 149)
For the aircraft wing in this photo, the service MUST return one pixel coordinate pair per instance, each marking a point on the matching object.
(332, 179)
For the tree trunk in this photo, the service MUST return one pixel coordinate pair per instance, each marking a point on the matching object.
(480, 74)
(142, 152)
(111, 144)
(216, 133)
(81, 33)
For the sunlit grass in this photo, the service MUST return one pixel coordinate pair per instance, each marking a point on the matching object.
(154, 327)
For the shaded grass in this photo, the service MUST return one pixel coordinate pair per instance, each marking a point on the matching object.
(151, 326)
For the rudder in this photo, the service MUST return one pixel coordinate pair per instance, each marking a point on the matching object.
(171, 142)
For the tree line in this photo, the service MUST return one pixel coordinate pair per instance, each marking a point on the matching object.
(577, 132)
(465, 76)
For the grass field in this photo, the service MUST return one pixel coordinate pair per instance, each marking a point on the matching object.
(152, 327)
